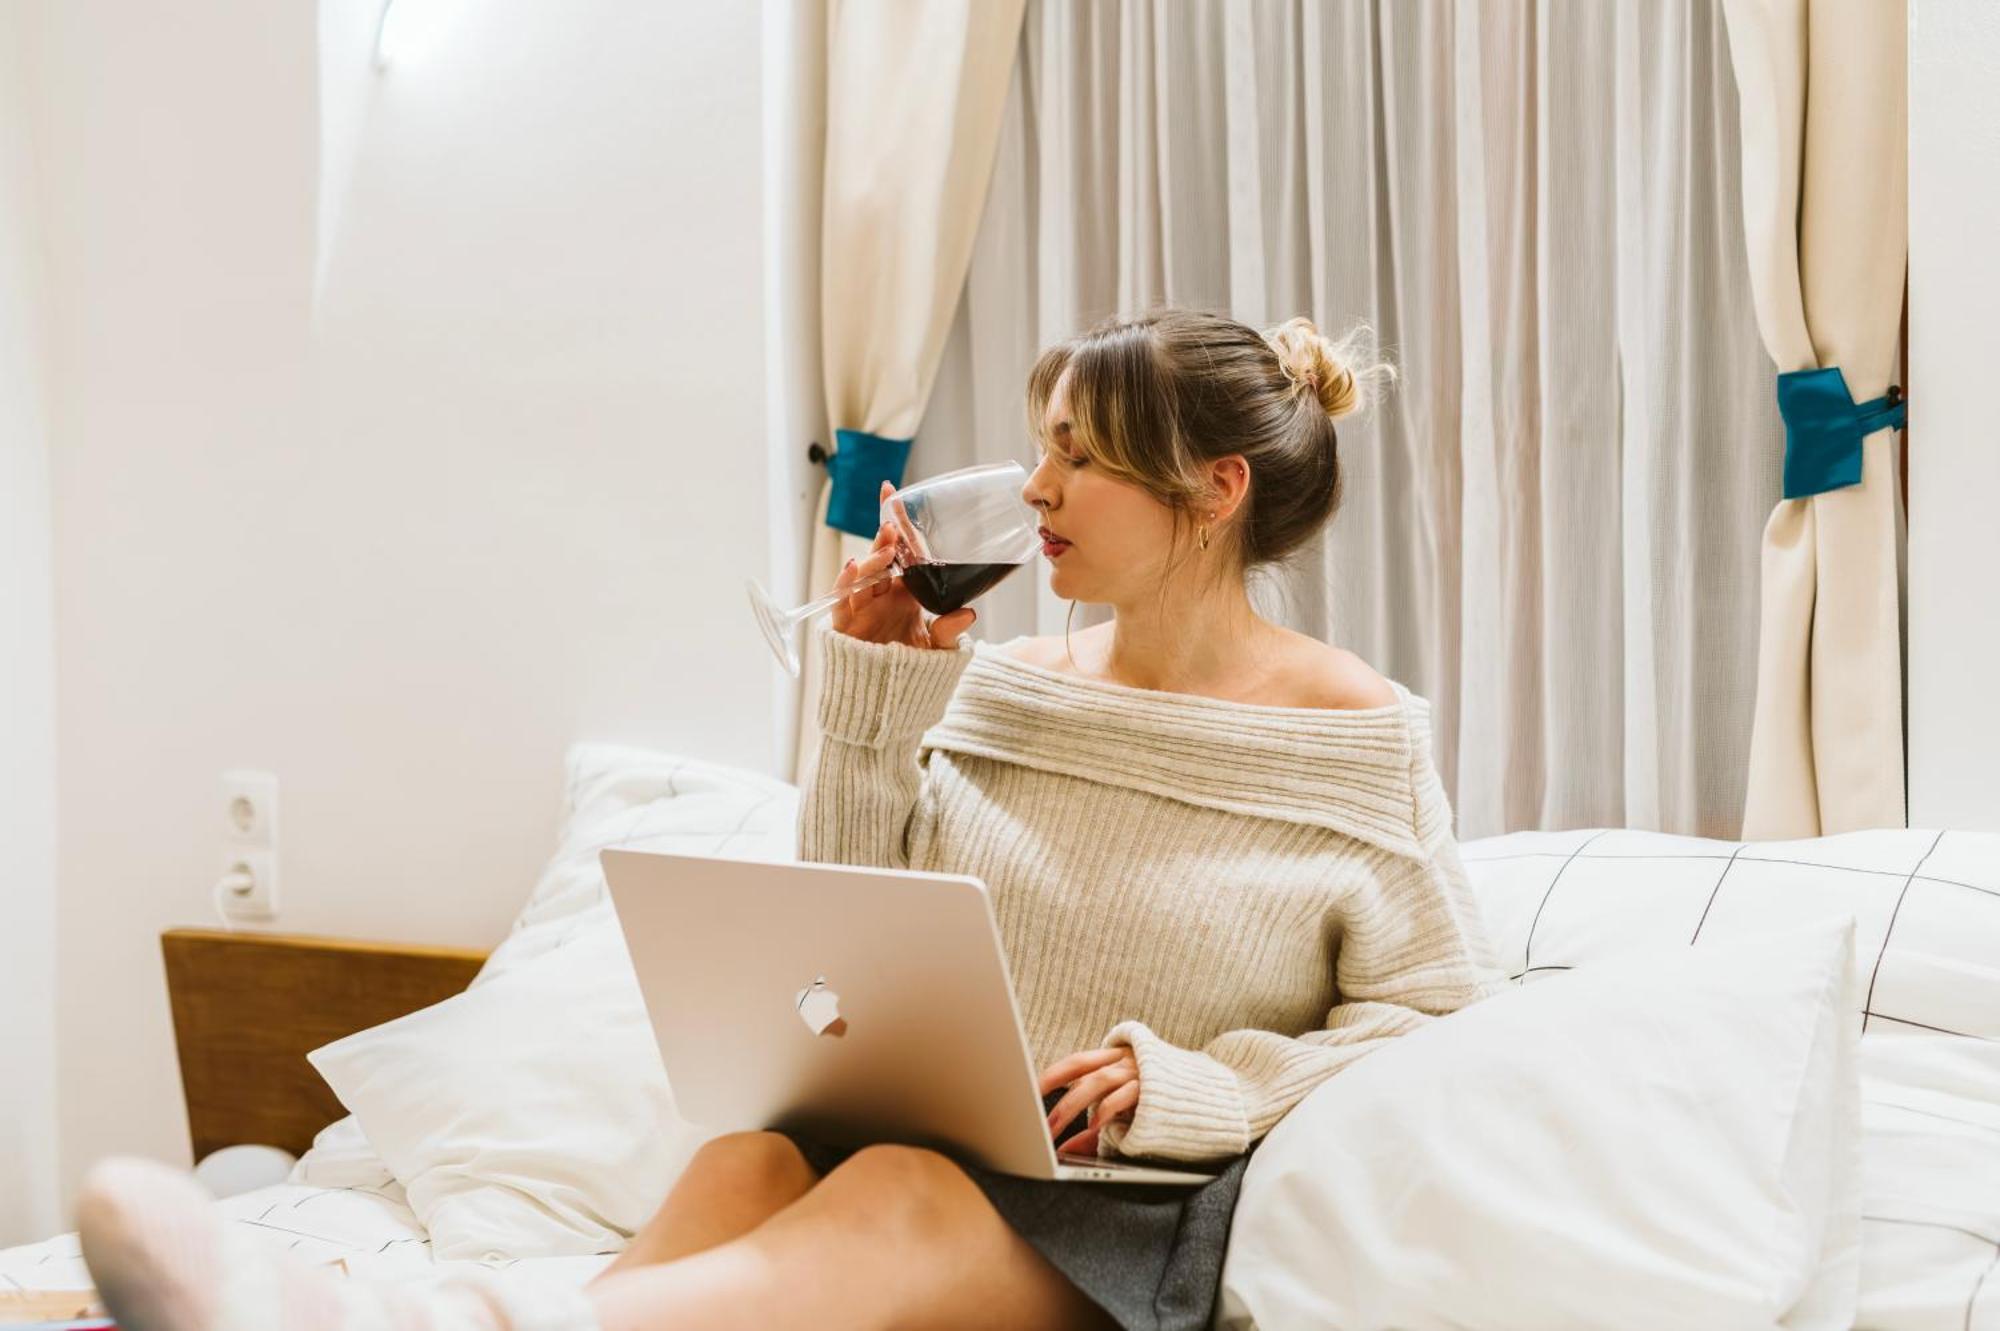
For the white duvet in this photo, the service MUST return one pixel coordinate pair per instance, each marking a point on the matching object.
(1930, 1184)
(370, 1230)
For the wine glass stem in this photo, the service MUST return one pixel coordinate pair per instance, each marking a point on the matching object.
(834, 598)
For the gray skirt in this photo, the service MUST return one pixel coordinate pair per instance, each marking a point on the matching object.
(1151, 1256)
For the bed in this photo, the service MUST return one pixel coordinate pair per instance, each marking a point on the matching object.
(1925, 907)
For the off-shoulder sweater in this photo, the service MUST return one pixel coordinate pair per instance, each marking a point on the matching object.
(1249, 897)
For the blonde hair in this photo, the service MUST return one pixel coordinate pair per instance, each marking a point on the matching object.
(1155, 398)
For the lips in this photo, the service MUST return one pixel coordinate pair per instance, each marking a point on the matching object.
(1052, 544)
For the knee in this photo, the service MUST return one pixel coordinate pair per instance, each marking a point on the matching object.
(761, 1164)
(906, 1187)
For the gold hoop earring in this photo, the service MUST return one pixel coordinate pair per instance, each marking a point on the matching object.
(1201, 535)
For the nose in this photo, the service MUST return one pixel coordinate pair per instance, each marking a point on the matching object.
(1034, 494)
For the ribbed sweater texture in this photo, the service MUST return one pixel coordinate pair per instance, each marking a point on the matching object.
(1248, 897)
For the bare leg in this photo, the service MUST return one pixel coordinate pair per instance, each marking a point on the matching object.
(894, 1239)
(733, 1184)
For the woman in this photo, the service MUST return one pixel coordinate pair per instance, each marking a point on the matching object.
(1220, 858)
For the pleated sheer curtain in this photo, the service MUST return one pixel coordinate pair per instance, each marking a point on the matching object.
(1551, 526)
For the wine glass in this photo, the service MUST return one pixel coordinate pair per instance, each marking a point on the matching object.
(958, 535)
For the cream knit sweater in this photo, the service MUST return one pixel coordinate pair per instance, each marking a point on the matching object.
(1249, 897)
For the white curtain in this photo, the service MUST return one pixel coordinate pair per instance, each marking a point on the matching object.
(1551, 528)
(913, 99)
(1825, 211)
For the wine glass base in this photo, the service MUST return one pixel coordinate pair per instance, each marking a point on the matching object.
(780, 630)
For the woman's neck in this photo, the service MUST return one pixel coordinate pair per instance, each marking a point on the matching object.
(1212, 643)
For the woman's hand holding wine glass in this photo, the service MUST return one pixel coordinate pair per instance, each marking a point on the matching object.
(942, 543)
(887, 612)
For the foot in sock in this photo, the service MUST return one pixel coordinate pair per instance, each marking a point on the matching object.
(153, 1245)
(164, 1261)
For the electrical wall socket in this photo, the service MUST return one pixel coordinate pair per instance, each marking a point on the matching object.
(249, 889)
(249, 884)
(250, 809)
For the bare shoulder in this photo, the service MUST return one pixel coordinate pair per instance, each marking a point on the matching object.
(1333, 678)
(1044, 652)
(1053, 652)
(1310, 673)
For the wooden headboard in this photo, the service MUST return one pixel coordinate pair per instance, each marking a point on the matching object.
(248, 1007)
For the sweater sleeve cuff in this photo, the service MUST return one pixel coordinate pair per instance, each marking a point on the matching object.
(873, 693)
(1190, 1106)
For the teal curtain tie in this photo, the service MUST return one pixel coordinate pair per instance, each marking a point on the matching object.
(1824, 429)
(859, 464)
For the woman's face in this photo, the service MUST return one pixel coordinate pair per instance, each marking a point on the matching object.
(1118, 534)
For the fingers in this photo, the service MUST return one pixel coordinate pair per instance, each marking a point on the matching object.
(859, 570)
(889, 532)
(1114, 1107)
(1119, 1104)
(878, 559)
(1069, 1069)
(1088, 1091)
(946, 629)
(906, 530)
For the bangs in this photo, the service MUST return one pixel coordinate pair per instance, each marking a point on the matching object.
(1042, 381)
(1117, 402)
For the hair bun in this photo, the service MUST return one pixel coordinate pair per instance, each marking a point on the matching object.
(1333, 371)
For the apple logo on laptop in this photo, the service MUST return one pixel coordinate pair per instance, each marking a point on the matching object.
(819, 1009)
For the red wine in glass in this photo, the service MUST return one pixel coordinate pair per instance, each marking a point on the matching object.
(943, 587)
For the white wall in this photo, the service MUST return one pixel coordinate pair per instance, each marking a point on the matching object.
(27, 672)
(495, 492)
(1954, 615)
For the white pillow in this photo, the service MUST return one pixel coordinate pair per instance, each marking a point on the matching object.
(527, 1117)
(1926, 906)
(510, 1134)
(643, 800)
(341, 1157)
(1666, 1141)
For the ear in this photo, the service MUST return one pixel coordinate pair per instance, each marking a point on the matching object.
(1229, 482)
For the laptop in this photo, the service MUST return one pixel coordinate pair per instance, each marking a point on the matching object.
(852, 1005)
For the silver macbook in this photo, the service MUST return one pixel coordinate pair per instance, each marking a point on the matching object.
(851, 1005)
